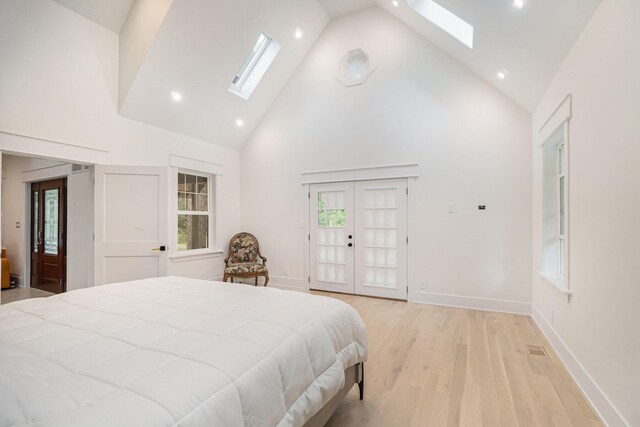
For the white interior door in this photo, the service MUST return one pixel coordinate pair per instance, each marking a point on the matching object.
(381, 229)
(130, 223)
(331, 237)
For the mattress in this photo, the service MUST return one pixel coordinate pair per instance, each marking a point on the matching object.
(174, 352)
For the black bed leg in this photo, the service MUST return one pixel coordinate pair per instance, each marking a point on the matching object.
(361, 383)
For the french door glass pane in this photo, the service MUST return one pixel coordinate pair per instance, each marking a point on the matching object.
(330, 250)
(36, 219)
(380, 224)
(51, 210)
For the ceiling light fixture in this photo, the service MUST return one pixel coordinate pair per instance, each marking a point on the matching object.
(176, 96)
(518, 3)
(395, 3)
(502, 74)
(239, 122)
(298, 33)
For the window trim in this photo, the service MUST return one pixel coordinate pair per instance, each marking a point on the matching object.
(560, 278)
(174, 253)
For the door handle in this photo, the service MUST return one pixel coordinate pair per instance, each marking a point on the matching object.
(350, 244)
(161, 249)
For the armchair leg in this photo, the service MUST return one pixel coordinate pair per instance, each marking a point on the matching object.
(266, 280)
(256, 280)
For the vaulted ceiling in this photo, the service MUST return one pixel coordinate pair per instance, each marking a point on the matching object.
(201, 44)
(110, 14)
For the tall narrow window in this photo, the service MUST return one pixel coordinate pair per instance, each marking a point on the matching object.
(555, 230)
(195, 212)
(255, 66)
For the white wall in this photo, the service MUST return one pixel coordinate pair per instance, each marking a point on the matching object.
(600, 324)
(15, 209)
(419, 105)
(59, 87)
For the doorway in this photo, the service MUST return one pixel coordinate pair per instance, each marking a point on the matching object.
(358, 238)
(48, 235)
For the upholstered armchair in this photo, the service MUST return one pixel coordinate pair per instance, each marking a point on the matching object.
(242, 261)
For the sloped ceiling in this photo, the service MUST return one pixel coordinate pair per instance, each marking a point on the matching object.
(197, 52)
(110, 14)
(201, 45)
(336, 8)
(529, 43)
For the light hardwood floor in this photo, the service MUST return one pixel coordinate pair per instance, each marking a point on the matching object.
(17, 294)
(436, 366)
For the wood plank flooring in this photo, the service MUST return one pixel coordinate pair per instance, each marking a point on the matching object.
(17, 294)
(437, 366)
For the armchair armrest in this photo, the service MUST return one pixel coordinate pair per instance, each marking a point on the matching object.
(264, 259)
(226, 261)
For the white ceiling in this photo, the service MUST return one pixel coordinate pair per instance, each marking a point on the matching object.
(530, 43)
(336, 8)
(198, 50)
(202, 43)
(111, 14)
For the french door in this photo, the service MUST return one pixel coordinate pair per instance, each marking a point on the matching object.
(48, 235)
(358, 238)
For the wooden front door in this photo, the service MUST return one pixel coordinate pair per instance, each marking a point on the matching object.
(49, 235)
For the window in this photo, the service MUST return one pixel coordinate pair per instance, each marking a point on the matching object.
(444, 19)
(555, 230)
(255, 66)
(195, 212)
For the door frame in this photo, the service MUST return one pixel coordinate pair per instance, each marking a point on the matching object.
(371, 173)
(63, 235)
(51, 173)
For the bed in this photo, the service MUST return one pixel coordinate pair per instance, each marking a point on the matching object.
(177, 352)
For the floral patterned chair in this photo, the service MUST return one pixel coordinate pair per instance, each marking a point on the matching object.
(242, 261)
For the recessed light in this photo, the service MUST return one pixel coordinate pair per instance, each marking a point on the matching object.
(502, 74)
(395, 3)
(298, 33)
(239, 123)
(518, 3)
(176, 96)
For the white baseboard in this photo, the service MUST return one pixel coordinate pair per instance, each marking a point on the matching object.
(599, 401)
(475, 303)
(280, 282)
(289, 283)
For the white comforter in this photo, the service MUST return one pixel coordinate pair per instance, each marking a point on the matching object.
(174, 352)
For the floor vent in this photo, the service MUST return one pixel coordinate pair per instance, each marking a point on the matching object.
(537, 350)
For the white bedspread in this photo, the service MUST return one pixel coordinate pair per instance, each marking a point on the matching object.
(174, 352)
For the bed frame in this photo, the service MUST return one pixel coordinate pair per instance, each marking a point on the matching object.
(352, 376)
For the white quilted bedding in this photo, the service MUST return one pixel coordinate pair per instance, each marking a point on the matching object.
(174, 352)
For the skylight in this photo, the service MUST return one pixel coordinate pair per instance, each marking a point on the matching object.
(255, 66)
(444, 19)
